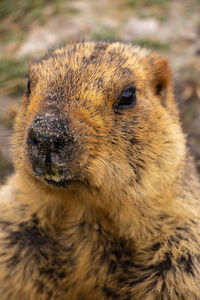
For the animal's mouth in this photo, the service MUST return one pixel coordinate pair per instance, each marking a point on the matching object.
(52, 174)
(54, 177)
(62, 183)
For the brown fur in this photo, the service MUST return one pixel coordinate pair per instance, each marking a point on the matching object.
(129, 228)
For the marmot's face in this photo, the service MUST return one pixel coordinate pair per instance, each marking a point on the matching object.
(98, 114)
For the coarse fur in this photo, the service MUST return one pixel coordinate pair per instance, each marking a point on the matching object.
(127, 223)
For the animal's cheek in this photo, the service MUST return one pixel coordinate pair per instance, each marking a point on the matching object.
(107, 167)
(34, 107)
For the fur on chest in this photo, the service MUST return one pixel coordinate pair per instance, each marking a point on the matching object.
(82, 262)
(51, 264)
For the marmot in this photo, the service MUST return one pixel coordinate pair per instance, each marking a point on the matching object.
(104, 203)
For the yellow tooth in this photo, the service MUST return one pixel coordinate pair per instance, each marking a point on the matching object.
(48, 176)
(56, 178)
(53, 175)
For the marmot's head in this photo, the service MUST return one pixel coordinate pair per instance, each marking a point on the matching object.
(101, 115)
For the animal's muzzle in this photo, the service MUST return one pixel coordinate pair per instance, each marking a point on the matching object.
(50, 146)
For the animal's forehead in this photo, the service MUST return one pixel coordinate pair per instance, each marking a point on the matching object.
(82, 72)
(89, 58)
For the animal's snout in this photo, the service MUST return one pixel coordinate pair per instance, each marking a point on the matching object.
(50, 144)
(49, 133)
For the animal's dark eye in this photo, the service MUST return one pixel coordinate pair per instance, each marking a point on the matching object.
(127, 98)
(28, 89)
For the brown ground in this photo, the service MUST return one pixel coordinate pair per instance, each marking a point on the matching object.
(29, 28)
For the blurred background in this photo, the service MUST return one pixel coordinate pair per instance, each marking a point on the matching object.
(29, 28)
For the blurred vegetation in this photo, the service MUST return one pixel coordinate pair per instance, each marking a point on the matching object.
(23, 12)
(16, 16)
(147, 3)
(5, 168)
(13, 76)
(102, 35)
(152, 44)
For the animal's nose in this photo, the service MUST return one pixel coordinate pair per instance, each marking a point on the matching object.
(46, 141)
(50, 145)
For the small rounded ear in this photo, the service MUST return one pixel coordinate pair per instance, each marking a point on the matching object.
(162, 81)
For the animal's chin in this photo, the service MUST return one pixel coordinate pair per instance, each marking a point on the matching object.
(54, 179)
(62, 183)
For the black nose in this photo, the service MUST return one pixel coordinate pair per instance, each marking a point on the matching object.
(49, 141)
(49, 133)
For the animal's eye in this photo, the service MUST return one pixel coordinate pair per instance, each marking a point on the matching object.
(28, 89)
(127, 98)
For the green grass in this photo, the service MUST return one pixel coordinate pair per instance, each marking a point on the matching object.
(3, 163)
(152, 44)
(10, 36)
(72, 10)
(110, 35)
(21, 10)
(22, 13)
(147, 3)
(5, 168)
(13, 76)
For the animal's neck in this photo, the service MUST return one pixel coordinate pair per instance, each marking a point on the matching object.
(139, 218)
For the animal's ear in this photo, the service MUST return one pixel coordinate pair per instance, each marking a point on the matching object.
(162, 81)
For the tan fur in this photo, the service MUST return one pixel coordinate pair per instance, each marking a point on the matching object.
(130, 228)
